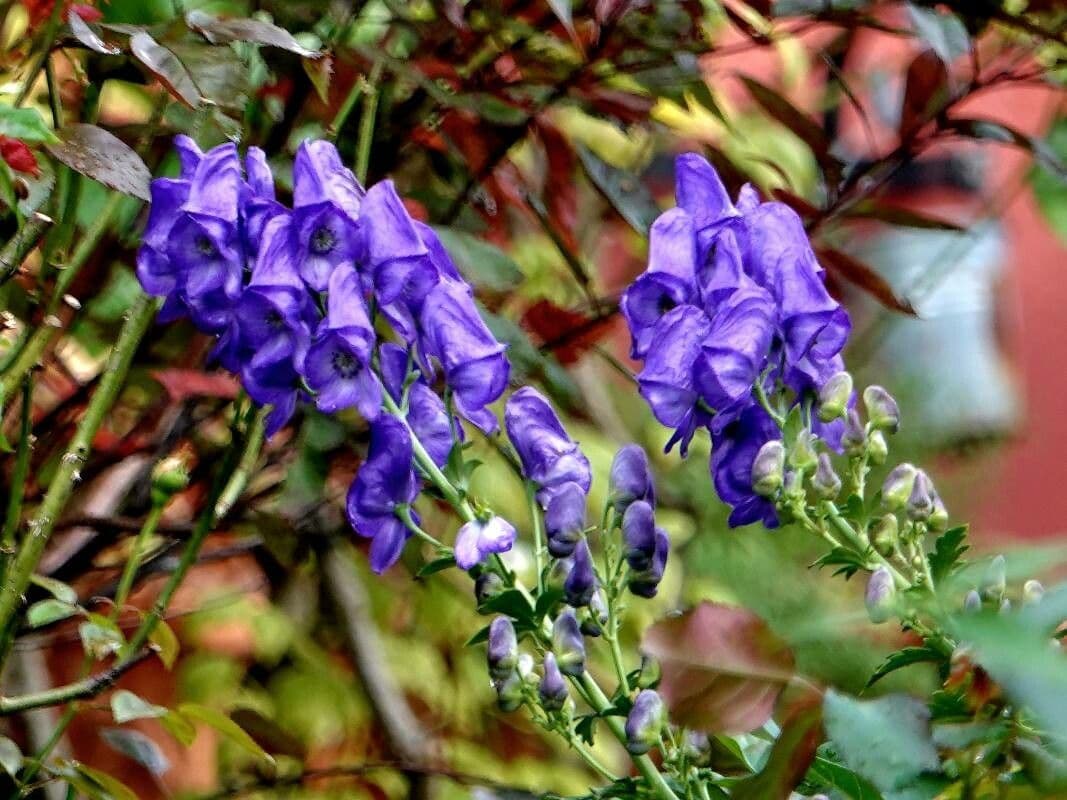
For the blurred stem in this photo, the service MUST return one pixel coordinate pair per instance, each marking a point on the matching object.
(67, 473)
(539, 533)
(18, 477)
(36, 345)
(41, 58)
(249, 456)
(404, 512)
(20, 245)
(133, 562)
(88, 687)
(366, 122)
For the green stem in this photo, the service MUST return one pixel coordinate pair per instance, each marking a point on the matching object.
(87, 687)
(241, 475)
(39, 60)
(366, 122)
(133, 562)
(67, 474)
(20, 245)
(539, 534)
(404, 512)
(18, 477)
(36, 345)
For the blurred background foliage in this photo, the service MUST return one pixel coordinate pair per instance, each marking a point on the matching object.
(537, 137)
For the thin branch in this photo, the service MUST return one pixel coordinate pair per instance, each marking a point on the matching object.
(79, 690)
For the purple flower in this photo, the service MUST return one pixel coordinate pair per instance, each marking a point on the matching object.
(733, 454)
(477, 539)
(553, 688)
(384, 481)
(503, 648)
(700, 192)
(565, 519)
(568, 644)
(272, 334)
(326, 206)
(645, 582)
(549, 457)
(631, 478)
(639, 535)
(338, 363)
(581, 582)
(475, 366)
(668, 380)
(258, 204)
(644, 723)
(398, 260)
(427, 415)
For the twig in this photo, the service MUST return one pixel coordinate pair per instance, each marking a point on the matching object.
(20, 245)
(79, 690)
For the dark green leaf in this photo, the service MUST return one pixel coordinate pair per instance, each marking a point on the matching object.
(48, 611)
(482, 264)
(810, 132)
(510, 602)
(903, 658)
(546, 601)
(166, 67)
(437, 565)
(480, 637)
(848, 561)
(585, 728)
(220, 31)
(886, 740)
(624, 190)
(220, 74)
(100, 155)
(26, 124)
(897, 215)
(1050, 187)
(948, 705)
(829, 774)
(948, 549)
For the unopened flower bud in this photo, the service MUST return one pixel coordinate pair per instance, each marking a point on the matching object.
(631, 478)
(696, 746)
(826, 483)
(881, 595)
(503, 656)
(168, 478)
(644, 723)
(972, 602)
(553, 688)
(854, 439)
(509, 691)
(639, 535)
(487, 585)
(882, 410)
(645, 583)
(995, 580)
(921, 500)
(650, 673)
(580, 584)
(1033, 591)
(884, 535)
(568, 644)
(596, 616)
(565, 519)
(897, 486)
(938, 519)
(802, 455)
(768, 468)
(557, 573)
(877, 449)
(834, 396)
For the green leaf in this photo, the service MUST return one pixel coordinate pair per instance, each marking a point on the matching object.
(126, 706)
(585, 728)
(511, 602)
(948, 705)
(134, 744)
(624, 190)
(1050, 188)
(166, 643)
(26, 124)
(847, 561)
(903, 658)
(179, 727)
(546, 601)
(480, 637)
(224, 725)
(93, 783)
(48, 611)
(58, 589)
(10, 756)
(831, 775)
(886, 740)
(100, 637)
(790, 756)
(481, 263)
(437, 565)
(948, 549)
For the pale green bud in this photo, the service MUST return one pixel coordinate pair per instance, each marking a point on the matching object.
(1033, 591)
(995, 580)
(972, 602)
(834, 396)
(802, 455)
(826, 483)
(897, 486)
(877, 449)
(768, 468)
(880, 597)
(884, 535)
(882, 410)
(854, 438)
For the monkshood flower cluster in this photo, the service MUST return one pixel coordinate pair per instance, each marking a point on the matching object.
(733, 304)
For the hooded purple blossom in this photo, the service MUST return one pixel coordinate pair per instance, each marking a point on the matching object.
(475, 366)
(477, 539)
(326, 207)
(733, 453)
(639, 535)
(631, 478)
(565, 518)
(398, 260)
(272, 331)
(338, 364)
(384, 481)
(581, 582)
(426, 414)
(553, 688)
(549, 457)
(645, 582)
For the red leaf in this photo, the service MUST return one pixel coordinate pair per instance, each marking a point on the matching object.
(18, 156)
(856, 272)
(87, 12)
(566, 333)
(722, 668)
(792, 753)
(181, 384)
(561, 195)
(925, 90)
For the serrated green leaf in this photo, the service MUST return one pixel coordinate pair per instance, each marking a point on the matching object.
(126, 706)
(48, 611)
(948, 549)
(26, 124)
(903, 658)
(585, 728)
(224, 725)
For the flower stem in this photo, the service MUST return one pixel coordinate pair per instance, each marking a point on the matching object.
(366, 122)
(67, 474)
(18, 477)
(133, 562)
(539, 534)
